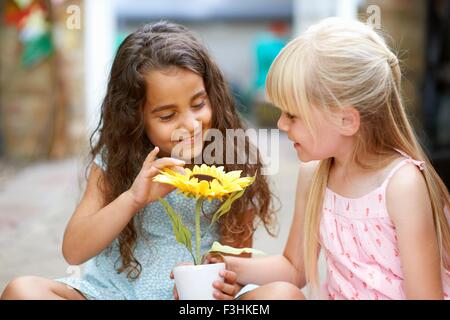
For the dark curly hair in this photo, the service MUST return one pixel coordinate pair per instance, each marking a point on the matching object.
(123, 145)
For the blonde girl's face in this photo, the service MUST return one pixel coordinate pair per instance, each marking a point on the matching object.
(177, 112)
(321, 144)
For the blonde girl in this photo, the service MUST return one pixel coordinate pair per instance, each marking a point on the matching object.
(367, 196)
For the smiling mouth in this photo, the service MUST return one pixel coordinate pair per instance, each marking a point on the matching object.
(190, 140)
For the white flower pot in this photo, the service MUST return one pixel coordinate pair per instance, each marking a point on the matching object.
(195, 282)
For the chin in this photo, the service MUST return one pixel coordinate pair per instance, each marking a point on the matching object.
(303, 157)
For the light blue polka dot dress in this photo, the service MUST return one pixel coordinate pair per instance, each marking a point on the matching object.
(156, 250)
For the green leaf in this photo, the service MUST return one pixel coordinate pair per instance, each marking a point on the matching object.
(182, 234)
(217, 247)
(226, 206)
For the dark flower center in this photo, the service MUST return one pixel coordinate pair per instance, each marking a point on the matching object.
(203, 177)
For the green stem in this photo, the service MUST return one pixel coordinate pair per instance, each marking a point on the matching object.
(198, 207)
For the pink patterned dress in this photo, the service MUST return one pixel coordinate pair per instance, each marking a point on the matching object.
(360, 246)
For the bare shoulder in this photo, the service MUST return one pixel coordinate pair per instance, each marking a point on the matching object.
(407, 193)
(92, 199)
(95, 174)
(407, 180)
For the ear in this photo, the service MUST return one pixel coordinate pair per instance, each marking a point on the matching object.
(350, 121)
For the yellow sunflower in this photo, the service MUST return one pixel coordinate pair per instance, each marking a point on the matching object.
(205, 181)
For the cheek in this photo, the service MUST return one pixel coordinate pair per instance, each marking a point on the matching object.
(205, 116)
(300, 132)
(158, 133)
(327, 142)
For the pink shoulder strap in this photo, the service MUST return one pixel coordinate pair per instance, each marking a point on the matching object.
(418, 163)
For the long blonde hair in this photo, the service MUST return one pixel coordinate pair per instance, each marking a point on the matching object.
(338, 63)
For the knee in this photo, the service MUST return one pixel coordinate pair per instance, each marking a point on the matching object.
(21, 288)
(275, 291)
(285, 291)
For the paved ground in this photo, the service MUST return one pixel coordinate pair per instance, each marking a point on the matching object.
(37, 201)
(35, 204)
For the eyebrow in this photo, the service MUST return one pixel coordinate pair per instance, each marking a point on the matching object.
(171, 106)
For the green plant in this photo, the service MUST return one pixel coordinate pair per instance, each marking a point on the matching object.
(204, 183)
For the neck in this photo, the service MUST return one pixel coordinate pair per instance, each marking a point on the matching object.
(343, 158)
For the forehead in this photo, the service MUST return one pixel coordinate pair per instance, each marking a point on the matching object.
(168, 86)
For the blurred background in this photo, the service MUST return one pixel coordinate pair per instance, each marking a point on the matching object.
(55, 58)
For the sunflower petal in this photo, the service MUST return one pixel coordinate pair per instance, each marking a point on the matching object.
(222, 184)
(232, 175)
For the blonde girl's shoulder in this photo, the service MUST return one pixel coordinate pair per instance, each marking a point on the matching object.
(407, 194)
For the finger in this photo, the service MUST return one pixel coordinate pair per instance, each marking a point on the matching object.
(228, 276)
(153, 171)
(179, 169)
(220, 296)
(156, 166)
(214, 258)
(175, 293)
(151, 156)
(228, 289)
(171, 275)
(208, 259)
(167, 162)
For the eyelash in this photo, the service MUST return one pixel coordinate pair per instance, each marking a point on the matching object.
(168, 117)
(200, 105)
(290, 116)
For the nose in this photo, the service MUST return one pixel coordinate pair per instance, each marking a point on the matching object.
(191, 123)
(282, 124)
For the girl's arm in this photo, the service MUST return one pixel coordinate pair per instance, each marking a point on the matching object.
(409, 207)
(94, 226)
(289, 266)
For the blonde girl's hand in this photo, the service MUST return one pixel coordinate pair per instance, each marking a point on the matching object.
(144, 190)
(229, 287)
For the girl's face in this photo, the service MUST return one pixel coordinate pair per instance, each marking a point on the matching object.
(177, 112)
(323, 144)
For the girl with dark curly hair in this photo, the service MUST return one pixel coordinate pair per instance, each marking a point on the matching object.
(162, 81)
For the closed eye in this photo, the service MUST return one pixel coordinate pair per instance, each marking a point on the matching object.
(166, 117)
(200, 105)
